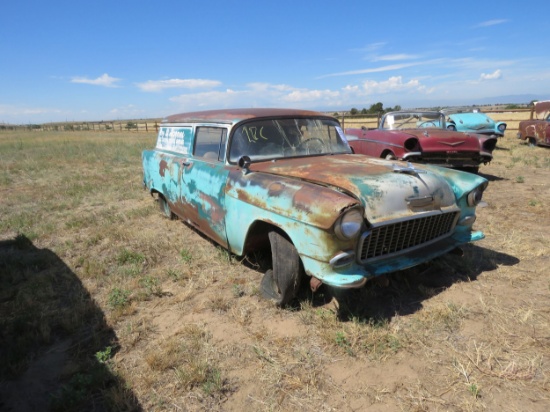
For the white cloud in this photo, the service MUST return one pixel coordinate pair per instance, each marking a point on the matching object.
(375, 70)
(218, 99)
(257, 95)
(393, 84)
(104, 80)
(370, 47)
(394, 57)
(351, 88)
(267, 87)
(489, 23)
(305, 95)
(497, 74)
(158, 85)
(282, 95)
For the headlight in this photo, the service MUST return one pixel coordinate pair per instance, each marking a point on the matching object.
(349, 224)
(489, 145)
(501, 127)
(475, 196)
(411, 144)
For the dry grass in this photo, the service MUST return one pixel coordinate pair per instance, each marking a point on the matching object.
(156, 317)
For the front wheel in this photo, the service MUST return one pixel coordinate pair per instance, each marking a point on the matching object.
(282, 283)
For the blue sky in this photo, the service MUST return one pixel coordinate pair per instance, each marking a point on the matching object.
(118, 59)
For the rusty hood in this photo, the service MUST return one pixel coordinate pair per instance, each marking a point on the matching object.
(387, 190)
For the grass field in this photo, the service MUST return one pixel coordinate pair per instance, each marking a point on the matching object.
(104, 304)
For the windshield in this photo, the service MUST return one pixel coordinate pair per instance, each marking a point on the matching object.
(413, 120)
(291, 137)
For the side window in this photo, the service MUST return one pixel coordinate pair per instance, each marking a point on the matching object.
(210, 143)
(177, 139)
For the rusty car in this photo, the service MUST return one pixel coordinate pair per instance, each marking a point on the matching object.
(422, 137)
(285, 184)
(536, 130)
(473, 120)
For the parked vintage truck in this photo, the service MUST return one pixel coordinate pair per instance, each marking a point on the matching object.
(536, 130)
(286, 182)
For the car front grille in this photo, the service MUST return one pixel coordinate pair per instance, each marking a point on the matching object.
(397, 237)
(449, 158)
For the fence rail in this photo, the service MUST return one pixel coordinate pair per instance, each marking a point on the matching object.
(115, 126)
(511, 117)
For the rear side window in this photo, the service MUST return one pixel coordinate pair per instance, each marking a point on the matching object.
(176, 139)
(210, 143)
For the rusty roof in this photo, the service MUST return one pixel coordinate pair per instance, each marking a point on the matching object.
(236, 115)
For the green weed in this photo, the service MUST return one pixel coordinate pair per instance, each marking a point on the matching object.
(474, 390)
(151, 286)
(186, 255)
(119, 298)
(129, 257)
(342, 341)
(104, 355)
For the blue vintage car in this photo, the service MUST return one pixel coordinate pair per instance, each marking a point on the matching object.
(473, 120)
(285, 182)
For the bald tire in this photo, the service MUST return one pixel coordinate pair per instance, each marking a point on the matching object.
(282, 283)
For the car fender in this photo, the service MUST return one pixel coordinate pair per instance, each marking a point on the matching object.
(305, 211)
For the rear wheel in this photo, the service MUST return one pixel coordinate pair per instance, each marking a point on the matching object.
(282, 283)
(390, 156)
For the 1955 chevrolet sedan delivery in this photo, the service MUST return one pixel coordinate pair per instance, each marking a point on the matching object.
(286, 181)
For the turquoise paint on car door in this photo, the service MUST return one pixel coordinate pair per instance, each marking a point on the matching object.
(204, 178)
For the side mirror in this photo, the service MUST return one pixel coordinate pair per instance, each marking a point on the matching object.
(244, 163)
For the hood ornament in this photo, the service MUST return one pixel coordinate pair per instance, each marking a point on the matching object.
(409, 169)
(452, 143)
(420, 202)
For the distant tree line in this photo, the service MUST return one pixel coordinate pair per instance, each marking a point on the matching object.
(376, 108)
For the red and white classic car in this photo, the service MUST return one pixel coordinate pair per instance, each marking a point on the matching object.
(422, 136)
